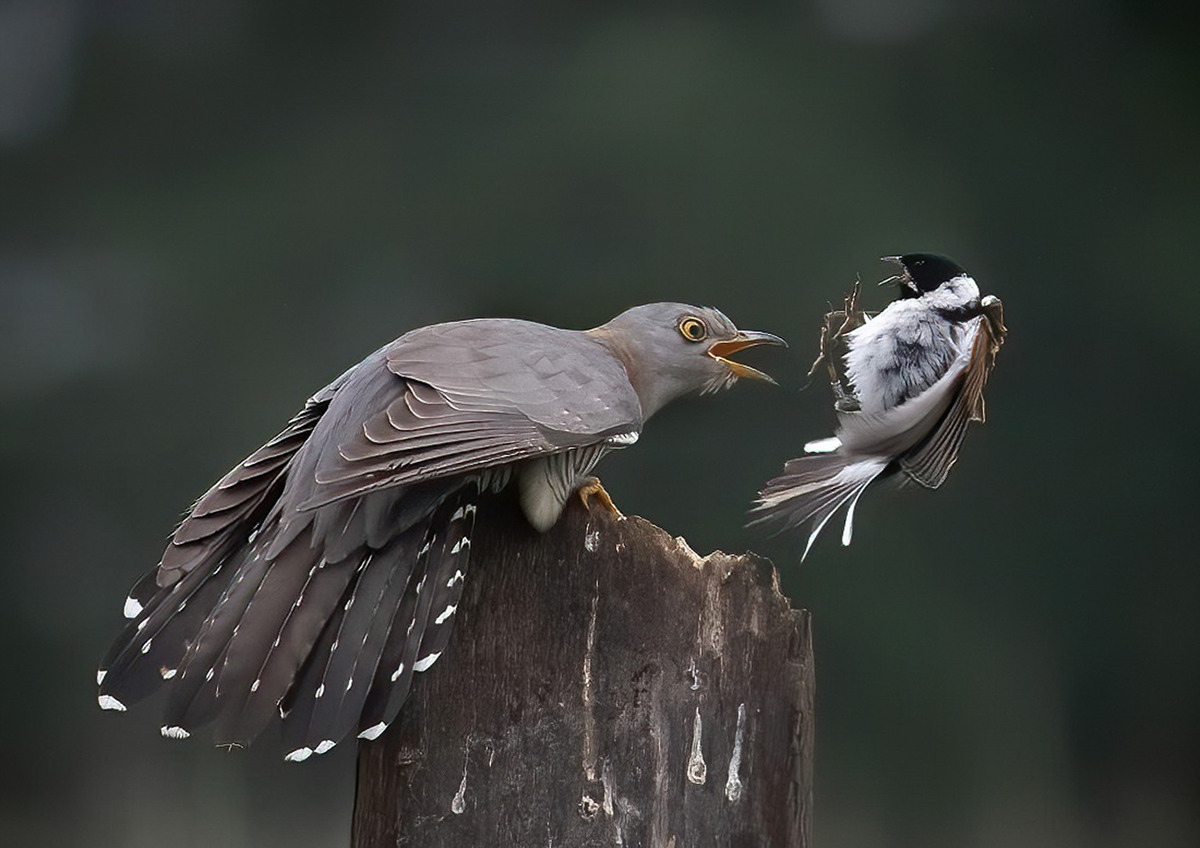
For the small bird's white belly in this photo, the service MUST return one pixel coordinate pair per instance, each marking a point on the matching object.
(898, 354)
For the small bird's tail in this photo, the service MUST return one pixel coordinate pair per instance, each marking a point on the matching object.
(813, 488)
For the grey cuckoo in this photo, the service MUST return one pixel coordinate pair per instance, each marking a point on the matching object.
(317, 576)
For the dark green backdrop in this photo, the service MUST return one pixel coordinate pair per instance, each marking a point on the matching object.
(209, 210)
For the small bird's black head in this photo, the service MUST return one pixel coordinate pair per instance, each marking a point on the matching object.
(924, 272)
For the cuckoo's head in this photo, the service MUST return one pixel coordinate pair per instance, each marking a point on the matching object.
(673, 349)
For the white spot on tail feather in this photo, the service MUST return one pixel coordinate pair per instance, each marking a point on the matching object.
(100, 676)
(299, 755)
(168, 673)
(133, 607)
(458, 575)
(374, 731)
(425, 662)
(399, 671)
(325, 746)
(320, 691)
(173, 732)
(464, 542)
(108, 702)
(146, 647)
(446, 613)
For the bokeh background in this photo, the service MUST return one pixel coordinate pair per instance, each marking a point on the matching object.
(208, 210)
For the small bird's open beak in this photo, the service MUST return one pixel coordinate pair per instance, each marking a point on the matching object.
(744, 339)
(898, 279)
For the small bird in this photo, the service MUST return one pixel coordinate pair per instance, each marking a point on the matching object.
(915, 375)
(318, 575)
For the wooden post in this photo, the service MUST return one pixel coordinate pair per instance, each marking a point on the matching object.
(604, 686)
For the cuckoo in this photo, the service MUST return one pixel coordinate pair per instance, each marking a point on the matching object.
(315, 578)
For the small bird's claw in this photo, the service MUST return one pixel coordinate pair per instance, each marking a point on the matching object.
(593, 488)
(836, 324)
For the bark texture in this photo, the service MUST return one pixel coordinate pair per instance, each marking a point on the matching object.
(604, 686)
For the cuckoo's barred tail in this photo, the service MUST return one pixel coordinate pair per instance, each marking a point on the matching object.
(327, 645)
(393, 623)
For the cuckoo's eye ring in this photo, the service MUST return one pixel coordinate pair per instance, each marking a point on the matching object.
(693, 329)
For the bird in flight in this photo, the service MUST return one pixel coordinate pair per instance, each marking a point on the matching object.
(906, 384)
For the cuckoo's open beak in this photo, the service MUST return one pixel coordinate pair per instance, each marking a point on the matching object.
(744, 339)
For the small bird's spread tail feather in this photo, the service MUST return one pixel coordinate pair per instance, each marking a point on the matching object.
(812, 489)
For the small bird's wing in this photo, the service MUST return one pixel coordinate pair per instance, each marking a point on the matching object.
(930, 462)
(469, 396)
(898, 429)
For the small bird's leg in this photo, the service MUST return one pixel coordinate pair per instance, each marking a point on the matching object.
(593, 488)
(837, 323)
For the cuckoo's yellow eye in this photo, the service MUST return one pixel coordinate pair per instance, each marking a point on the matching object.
(693, 329)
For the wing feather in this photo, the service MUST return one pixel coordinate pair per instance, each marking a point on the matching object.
(300, 567)
(929, 463)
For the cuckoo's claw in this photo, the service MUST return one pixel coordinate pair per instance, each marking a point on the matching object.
(593, 488)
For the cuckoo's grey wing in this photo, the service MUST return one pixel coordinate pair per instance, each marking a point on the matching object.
(296, 582)
(473, 395)
(171, 595)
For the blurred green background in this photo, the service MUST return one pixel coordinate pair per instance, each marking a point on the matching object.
(207, 211)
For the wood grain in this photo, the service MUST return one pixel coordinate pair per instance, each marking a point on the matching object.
(604, 686)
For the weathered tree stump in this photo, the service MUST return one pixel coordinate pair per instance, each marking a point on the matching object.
(604, 686)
